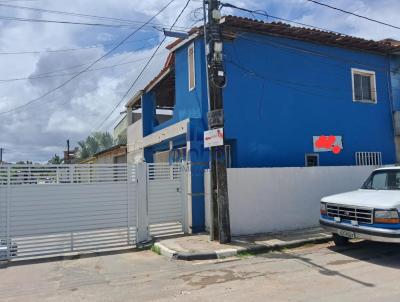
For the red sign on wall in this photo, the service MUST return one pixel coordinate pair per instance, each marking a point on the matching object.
(326, 143)
(213, 138)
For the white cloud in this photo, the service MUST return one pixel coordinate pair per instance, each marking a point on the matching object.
(62, 121)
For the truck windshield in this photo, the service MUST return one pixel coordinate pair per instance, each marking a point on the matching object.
(383, 180)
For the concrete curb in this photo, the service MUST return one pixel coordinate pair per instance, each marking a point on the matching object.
(255, 249)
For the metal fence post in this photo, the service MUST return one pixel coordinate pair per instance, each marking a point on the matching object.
(71, 174)
(130, 201)
(142, 203)
(184, 196)
(57, 174)
(72, 241)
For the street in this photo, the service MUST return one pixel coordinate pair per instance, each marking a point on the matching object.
(365, 271)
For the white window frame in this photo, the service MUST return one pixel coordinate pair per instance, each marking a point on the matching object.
(373, 84)
(191, 47)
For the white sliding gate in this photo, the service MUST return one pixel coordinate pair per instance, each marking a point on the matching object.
(166, 199)
(55, 210)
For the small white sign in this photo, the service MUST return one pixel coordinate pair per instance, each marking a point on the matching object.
(214, 138)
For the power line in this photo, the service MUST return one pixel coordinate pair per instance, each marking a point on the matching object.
(43, 76)
(142, 71)
(58, 12)
(265, 14)
(353, 14)
(70, 49)
(88, 67)
(65, 22)
(111, 19)
(284, 83)
(61, 70)
(318, 53)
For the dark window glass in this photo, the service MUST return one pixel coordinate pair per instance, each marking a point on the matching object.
(357, 87)
(311, 160)
(383, 180)
(362, 87)
(366, 87)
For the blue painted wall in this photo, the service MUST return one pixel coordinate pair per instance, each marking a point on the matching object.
(191, 105)
(281, 93)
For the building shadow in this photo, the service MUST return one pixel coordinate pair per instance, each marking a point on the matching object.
(83, 255)
(382, 254)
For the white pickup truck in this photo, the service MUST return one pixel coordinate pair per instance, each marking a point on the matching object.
(371, 212)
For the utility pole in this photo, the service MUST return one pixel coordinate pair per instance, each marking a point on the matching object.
(220, 229)
(1, 155)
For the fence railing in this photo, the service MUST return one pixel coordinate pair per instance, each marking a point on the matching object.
(57, 209)
(62, 174)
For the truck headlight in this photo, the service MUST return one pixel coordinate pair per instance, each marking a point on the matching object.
(387, 216)
(323, 208)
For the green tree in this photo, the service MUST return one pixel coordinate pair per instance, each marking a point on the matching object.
(94, 143)
(56, 160)
(122, 139)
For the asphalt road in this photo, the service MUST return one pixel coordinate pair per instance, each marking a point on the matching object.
(363, 272)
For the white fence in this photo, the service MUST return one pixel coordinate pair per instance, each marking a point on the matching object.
(47, 210)
(264, 200)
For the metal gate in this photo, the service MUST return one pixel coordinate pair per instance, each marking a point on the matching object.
(55, 210)
(166, 199)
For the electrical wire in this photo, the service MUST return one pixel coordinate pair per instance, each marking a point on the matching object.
(70, 49)
(66, 22)
(353, 14)
(63, 69)
(263, 13)
(88, 67)
(142, 71)
(285, 83)
(314, 52)
(44, 76)
(111, 19)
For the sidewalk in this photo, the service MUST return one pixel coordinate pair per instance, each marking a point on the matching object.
(199, 247)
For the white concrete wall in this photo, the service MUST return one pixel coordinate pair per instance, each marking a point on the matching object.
(280, 199)
(135, 143)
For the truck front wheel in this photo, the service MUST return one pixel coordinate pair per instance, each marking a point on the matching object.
(340, 240)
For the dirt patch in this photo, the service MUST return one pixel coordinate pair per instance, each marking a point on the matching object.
(210, 277)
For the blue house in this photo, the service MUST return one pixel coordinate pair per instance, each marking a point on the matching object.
(289, 90)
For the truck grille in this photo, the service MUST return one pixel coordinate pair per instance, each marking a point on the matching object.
(361, 215)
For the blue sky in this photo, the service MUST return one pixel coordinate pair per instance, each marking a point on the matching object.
(40, 130)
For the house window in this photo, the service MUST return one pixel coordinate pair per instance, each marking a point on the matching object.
(368, 158)
(312, 160)
(191, 71)
(364, 86)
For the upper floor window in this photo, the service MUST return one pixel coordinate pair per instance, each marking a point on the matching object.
(191, 71)
(364, 86)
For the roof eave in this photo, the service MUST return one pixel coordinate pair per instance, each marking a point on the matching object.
(184, 42)
(158, 80)
(137, 97)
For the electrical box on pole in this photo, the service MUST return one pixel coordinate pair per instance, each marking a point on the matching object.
(220, 229)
